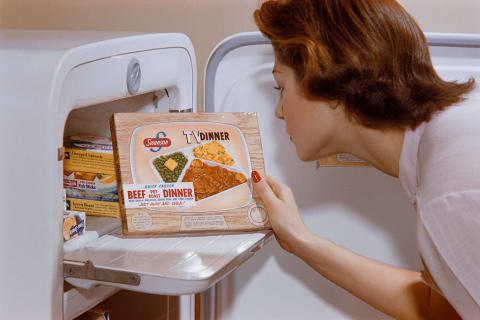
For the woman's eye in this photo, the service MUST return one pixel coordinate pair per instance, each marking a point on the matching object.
(279, 89)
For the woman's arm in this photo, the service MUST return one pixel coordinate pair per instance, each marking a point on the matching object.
(397, 292)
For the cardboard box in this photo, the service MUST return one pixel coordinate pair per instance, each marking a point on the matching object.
(89, 176)
(93, 204)
(88, 181)
(188, 173)
(89, 154)
(73, 224)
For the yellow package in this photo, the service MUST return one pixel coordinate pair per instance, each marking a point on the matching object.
(88, 154)
(104, 205)
(89, 176)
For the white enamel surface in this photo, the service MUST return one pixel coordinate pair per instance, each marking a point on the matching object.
(44, 75)
(174, 266)
(77, 301)
(358, 208)
(97, 227)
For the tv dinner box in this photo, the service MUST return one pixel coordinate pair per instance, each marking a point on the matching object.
(180, 173)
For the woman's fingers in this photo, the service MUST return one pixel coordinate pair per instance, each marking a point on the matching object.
(282, 210)
(282, 191)
(263, 189)
(270, 189)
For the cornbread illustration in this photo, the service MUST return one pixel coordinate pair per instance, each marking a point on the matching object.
(215, 152)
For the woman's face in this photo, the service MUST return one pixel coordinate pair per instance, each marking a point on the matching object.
(312, 125)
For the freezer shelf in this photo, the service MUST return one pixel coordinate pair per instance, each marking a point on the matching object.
(167, 266)
(96, 227)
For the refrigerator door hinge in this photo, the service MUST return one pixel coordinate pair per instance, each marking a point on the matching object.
(86, 270)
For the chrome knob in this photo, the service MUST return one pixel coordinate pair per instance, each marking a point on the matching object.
(134, 76)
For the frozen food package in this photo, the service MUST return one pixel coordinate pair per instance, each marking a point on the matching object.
(93, 203)
(88, 154)
(89, 176)
(73, 224)
(182, 173)
(89, 181)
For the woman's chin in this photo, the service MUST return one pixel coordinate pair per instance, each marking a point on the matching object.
(312, 155)
(305, 156)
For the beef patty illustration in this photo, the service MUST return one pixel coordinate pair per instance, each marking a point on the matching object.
(210, 180)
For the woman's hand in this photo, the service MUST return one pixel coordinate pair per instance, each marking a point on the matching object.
(287, 224)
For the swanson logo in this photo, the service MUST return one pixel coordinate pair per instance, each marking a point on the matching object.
(156, 144)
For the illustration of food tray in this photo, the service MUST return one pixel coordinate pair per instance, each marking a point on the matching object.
(186, 164)
(188, 173)
(221, 163)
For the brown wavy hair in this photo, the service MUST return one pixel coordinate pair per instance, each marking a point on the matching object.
(369, 55)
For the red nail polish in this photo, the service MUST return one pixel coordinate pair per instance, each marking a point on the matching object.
(255, 176)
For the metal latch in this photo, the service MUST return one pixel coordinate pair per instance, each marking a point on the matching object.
(86, 270)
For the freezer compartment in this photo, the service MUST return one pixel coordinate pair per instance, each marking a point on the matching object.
(93, 120)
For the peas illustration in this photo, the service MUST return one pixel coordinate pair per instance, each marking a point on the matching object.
(167, 174)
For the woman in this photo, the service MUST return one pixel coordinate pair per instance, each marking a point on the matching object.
(355, 76)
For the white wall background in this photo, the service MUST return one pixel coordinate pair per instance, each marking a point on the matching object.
(206, 22)
(445, 15)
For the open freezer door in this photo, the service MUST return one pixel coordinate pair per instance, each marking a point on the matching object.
(336, 202)
(167, 266)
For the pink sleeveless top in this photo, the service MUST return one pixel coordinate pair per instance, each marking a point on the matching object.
(440, 172)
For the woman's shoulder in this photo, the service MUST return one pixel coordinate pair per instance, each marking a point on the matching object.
(448, 196)
(455, 120)
(449, 150)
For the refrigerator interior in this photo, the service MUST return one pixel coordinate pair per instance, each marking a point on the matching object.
(359, 208)
(93, 120)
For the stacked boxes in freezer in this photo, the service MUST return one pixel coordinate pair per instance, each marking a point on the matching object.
(89, 176)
